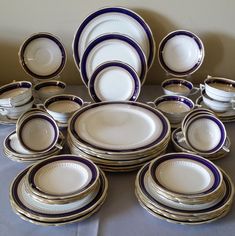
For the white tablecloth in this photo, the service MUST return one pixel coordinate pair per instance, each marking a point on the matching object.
(121, 214)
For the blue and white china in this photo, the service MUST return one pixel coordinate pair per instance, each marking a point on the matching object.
(114, 81)
(181, 53)
(111, 20)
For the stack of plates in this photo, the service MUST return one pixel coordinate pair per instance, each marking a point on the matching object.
(183, 146)
(59, 190)
(113, 49)
(16, 152)
(118, 136)
(184, 188)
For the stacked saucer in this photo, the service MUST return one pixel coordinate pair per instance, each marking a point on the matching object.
(118, 136)
(16, 152)
(59, 190)
(184, 188)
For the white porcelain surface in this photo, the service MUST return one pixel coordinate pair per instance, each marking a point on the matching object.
(173, 107)
(184, 176)
(43, 56)
(115, 83)
(176, 205)
(118, 23)
(62, 177)
(203, 134)
(118, 126)
(111, 50)
(46, 208)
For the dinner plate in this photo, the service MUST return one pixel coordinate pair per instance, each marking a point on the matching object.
(181, 53)
(109, 20)
(112, 47)
(25, 204)
(119, 126)
(62, 177)
(114, 81)
(42, 56)
(185, 175)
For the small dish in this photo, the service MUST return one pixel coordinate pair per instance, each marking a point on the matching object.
(62, 107)
(47, 89)
(15, 94)
(37, 131)
(112, 47)
(181, 53)
(174, 107)
(42, 56)
(185, 174)
(178, 86)
(62, 178)
(220, 89)
(114, 81)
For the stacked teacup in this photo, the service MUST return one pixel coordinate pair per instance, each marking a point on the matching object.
(36, 137)
(59, 190)
(15, 99)
(218, 94)
(202, 133)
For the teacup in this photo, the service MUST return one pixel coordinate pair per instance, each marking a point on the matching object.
(217, 106)
(37, 131)
(220, 89)
(174, 107)
(177, 86)
(15, 94)
(15, 112)
(204, 134)
(48, 89)
(62, 107)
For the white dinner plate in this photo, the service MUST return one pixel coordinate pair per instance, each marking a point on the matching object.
(114, 81)
(113, 20)
(181, 53)
(42, 56)
(120, 126)
(113, 47)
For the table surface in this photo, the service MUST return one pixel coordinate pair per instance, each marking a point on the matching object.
(121, 214)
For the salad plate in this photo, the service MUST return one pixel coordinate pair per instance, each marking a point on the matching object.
(42, 56)
(112, 47)
(138, 126)
(181, 53)
(51, 179)
(113, 20)
(114, 81)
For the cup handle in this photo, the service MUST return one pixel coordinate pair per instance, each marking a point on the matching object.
(226, 149)
(202, 87)
(40, 106)
(86, 103)
(180, 137)
(59, 146)
(3, 112)
(150, 103)
(194, 91)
